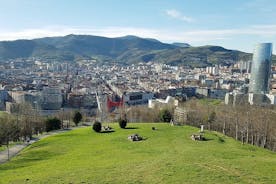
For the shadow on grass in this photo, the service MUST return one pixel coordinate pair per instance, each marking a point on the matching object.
(131, 128)
(39, 144)
(29, 159)
(207, 139)
(107, 131)
(221, 140)
(144, 138)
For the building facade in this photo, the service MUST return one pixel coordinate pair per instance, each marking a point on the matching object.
(260, 70)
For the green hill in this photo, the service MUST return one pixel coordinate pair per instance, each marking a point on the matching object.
(72, 47)
(197, 56)
(126, 50)
(167, 155)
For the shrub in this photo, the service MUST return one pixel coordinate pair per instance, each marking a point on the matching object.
(52, 124)
(77, 118)
(165, 115)
(97, 126)
(123, 123)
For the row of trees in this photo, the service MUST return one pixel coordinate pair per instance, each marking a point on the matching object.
(250, 124)
(21, 125)
(145, 114)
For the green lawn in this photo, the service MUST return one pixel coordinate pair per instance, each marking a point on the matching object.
(3, 147)
(167, 155)
(3, 113)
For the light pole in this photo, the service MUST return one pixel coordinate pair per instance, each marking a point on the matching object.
(36, 112)
(8, 148)
(62, 117)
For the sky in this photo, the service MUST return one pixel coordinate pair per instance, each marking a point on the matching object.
(233, 24)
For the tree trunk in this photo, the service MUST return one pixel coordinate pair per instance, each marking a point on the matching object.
(8, 144)
(264, 141)
(274, 146)
(257, 140)
(247, 127)
(247, 134)
(237, 130)
(8, 148)
(224, 126)
(265, 133)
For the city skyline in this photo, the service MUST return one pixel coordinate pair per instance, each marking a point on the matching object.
(233, 25)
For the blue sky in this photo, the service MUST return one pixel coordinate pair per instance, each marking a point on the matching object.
(235, 24)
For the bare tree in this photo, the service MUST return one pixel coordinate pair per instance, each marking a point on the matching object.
(249, 124)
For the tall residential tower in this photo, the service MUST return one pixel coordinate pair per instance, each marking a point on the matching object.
(260, 69)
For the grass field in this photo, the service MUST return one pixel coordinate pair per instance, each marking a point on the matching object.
(3, 147)
(3, 113)
(167, 155)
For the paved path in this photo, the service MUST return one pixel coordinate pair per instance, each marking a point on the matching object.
(14, 150)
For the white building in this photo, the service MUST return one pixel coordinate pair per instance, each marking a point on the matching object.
(214, 70)
(159, 103)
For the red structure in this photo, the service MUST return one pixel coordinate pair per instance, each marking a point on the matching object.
(111, 104)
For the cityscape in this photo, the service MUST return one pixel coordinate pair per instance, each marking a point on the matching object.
(54, 86)
(163, 96)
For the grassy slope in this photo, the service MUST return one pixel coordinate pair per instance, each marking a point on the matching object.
(168, 155)
(3, 113)
(3, 147)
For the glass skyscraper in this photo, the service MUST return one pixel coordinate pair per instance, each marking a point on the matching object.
(260, 69)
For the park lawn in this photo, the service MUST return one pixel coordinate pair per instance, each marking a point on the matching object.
(167, 155)
(3, 113)
(3, 147)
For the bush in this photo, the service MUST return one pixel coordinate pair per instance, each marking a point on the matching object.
(77, 118)
(165, 115)
(52, 124)
(97, 126)
(123, 123)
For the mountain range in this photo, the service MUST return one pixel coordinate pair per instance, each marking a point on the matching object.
(125, 50)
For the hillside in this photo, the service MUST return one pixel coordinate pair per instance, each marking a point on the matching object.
(181, 44)
(195, 56)
(72, 47)
(126, 50)
(167, 155)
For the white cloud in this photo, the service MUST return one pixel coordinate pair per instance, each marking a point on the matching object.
(178, 15)
(164, 35)
(63, 30)
(195, 37)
